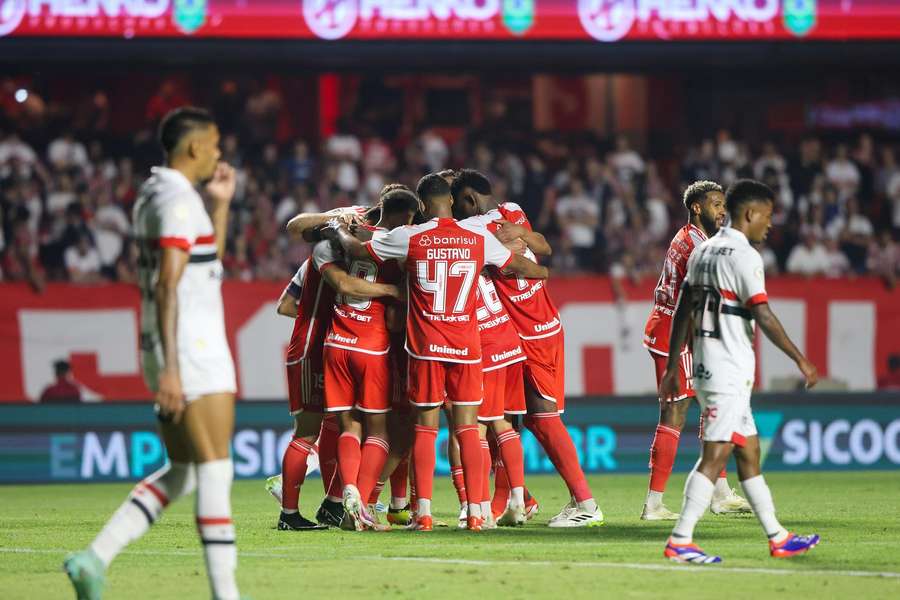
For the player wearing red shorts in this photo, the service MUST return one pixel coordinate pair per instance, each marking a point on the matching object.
(358, 374)
(705, 203)
(309, 301)
(502, 359)
(443, 259)
(540, 329)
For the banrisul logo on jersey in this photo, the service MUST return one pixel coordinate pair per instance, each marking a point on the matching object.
(335, 19)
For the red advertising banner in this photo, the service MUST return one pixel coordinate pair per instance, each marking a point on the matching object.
(601, 20)
(848, 328)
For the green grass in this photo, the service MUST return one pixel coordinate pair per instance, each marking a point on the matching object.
(857, 514)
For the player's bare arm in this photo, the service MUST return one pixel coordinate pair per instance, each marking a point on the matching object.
(221, 190)
(681, 322)
(305, 224)
(340, 233)
(169, 395)
(771, 326)
(535, 241)
(287, 305)
(344, 283)
(527, 268)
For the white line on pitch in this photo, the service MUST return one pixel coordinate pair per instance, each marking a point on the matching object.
(512, 563)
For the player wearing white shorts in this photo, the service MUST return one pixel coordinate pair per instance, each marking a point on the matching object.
(724, 292)
(184, 351)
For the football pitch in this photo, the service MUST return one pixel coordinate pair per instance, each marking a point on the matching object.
(857, 515)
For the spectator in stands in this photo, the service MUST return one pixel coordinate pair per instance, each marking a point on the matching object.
(65, 390)
(842, 173)
(837, 264)
(20, 256)
(300, 167)
(167, 98)
(577, 216)
(769, 160)
(809, 258)
(83, 262)
(16, 156)
(626, 161)
(770, 260)
(855, 232)
(884, 258)
(110, 226)
(65, 152)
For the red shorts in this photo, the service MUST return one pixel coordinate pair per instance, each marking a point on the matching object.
(357, 380)
(685, 372)
(545, 368)
(431, 381)
(306, 386)
(504, 392)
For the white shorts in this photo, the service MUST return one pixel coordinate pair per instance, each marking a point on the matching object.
(204, 359)
(726, 417)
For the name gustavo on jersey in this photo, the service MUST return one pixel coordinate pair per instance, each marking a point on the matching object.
(449, 253)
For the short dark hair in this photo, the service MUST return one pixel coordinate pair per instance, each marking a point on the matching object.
(397, 198)
(61, 367)
(697, 191)
(447, 174)
(470, 178)
(179, 122)
(432, 186)
(744, 191)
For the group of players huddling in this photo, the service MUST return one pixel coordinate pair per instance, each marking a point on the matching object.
(431, 300)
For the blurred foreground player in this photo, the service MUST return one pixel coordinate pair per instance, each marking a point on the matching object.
(185, 355)
(705, 203)
(725, 291)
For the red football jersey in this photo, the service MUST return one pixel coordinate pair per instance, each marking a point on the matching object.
(314, 302)
(500, 345)
(443, 259)
(357, 323)
(527, 300)
(665, 296)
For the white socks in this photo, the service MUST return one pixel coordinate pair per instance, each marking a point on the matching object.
(760, 498)
(486, 508)
(216, 527)
(722, 488)
(398, 503)
(143, 507)
(654, 499)
(474, 509)
(698, 491)
(588, 505)
(423, 507)
(517, 496)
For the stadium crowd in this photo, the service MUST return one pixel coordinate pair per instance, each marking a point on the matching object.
(66, 194)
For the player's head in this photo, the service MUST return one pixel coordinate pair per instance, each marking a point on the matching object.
(61, 368)
(398, 205)
(448, 174)
(190, 138)
(472, 194)
(750, 204)
(705, 203)
(434, 192)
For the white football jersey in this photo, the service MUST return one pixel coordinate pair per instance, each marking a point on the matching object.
(169, 212)
(727, 272)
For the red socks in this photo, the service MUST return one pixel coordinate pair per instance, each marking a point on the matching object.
(349, 457)
(293, 471)
(459, 483)
(470, 456)
(485, 472)
(662, 456)
(513, 457)
(424, 460)
(374, 455)
(553, 436)
(328, 438)
(399, 478)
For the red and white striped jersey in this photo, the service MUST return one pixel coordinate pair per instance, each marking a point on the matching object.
(527, 300)
(443, 258)
(358, 324)
(169, 212)
(665, 296)
(314, 307)
(500, 344)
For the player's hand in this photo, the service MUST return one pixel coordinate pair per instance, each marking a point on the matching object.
(329, 230)
(221, 187)
(170, 398)
(517, 246)
(509, 231)
(393, 291)
(810, 372)
(668, 386)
